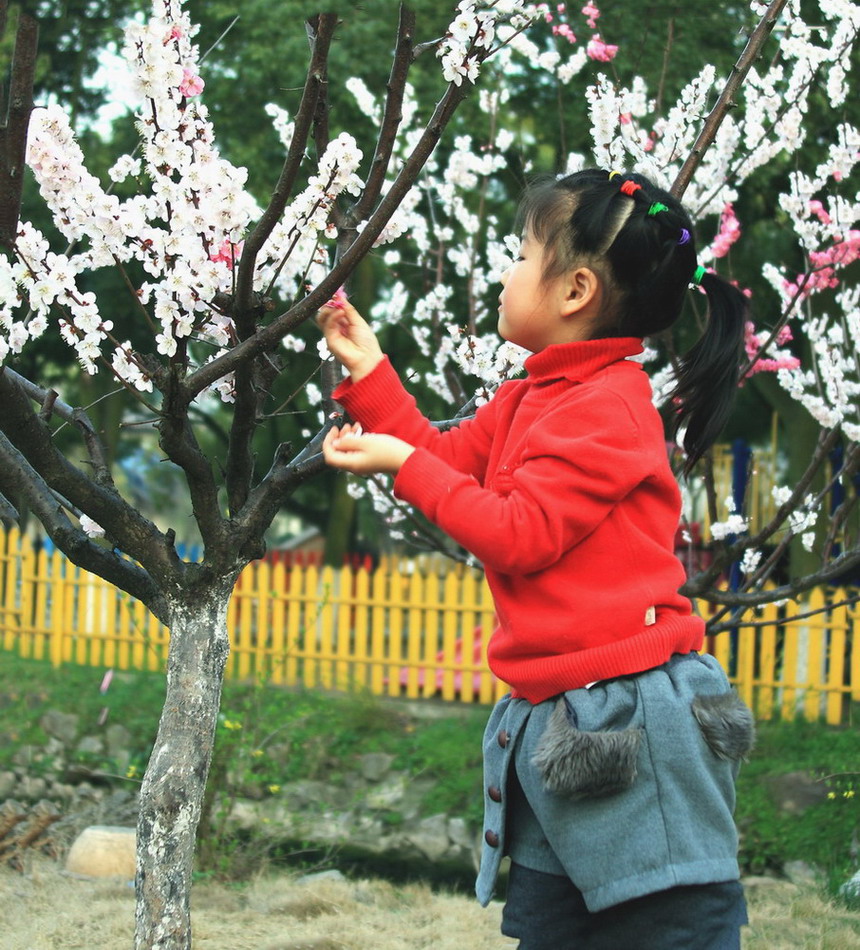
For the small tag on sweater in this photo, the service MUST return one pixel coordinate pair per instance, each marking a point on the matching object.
(650, 616)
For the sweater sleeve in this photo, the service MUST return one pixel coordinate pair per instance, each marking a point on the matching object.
(381, 404)
(579, 463)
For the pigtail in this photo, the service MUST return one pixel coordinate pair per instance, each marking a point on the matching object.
(708, 375)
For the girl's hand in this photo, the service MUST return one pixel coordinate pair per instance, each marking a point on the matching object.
(350, 339)
(349, 449)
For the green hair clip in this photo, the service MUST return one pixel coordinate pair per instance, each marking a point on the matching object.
(698, 274)
(657, 207)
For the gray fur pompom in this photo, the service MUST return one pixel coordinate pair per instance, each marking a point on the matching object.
(727, 724)
(585, 764)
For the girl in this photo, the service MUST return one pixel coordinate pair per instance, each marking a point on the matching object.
(609, 769)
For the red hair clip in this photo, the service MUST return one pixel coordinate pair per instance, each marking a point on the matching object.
(628, 187)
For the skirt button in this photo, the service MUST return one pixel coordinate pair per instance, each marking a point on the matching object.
(492, 839)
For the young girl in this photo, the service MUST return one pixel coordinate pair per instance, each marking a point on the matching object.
(609, 769)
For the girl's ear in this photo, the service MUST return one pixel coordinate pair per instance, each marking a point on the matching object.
(582, 292)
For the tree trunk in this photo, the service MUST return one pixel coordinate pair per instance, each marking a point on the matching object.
(171, 796)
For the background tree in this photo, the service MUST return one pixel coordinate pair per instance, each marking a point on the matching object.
(215, 288)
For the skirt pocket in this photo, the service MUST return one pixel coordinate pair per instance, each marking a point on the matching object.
(582, 764)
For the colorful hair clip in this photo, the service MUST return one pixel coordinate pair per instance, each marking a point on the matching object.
(613, 174)
(629, 187)
(698, 274)
(657, 207)
(685, 236)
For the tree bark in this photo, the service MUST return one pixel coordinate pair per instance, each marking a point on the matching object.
(171, 796)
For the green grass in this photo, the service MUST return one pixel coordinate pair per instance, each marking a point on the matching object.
(268, 737)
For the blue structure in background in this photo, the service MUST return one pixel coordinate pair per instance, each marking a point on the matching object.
(741, 458)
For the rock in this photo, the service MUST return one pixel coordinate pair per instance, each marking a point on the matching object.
(31, 788)
(851, 888)
(794, 792)
(387, 795)
(27, 755)
(802, 873)
(375, 765)
(117, 741)
(8, 784)
(91, 745)
(459, 833)
(103, 851)
(55, 749)
(60, 725)
(431, 837)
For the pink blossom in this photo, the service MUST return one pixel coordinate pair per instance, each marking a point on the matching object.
(823, 266)
(817, 208)
(227, 253)
(175, 33)
(600, 51)
(590, 10)
(625, 118)
(730, 231)
(192, 84)
(753, 343)
(563, 29)
(338, 299)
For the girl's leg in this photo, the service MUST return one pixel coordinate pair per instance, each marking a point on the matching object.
(547, 912)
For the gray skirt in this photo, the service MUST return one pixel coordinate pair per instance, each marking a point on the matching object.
(627, 786)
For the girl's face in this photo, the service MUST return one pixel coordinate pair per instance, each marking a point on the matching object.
(531, 311)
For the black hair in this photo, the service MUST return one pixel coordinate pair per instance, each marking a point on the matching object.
(645, 259)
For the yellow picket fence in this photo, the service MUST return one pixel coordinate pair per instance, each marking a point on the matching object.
(404, 629)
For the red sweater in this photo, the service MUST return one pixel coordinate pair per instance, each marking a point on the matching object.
(561, 486)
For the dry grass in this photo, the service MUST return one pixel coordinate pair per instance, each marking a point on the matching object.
(46, 909)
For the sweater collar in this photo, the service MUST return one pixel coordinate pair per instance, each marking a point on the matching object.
(578, 361)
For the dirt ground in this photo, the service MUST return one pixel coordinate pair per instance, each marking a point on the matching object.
(46, 909)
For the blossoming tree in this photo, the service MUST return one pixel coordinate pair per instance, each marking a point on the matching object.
(223, 286)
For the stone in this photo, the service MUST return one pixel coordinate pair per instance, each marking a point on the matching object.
(802, 873)
(60, 725)
(103, 851)
(31, 787)
(459, 833)
(26, 756)
(117, 740)
(851, 888)
(8, 784)
(387, 795)
(91, 745)
(430, 837)
(794, 792)
(375, 765)
(55, 749)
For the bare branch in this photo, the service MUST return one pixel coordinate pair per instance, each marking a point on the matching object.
(304, 118)
(13, 134)
(727, 97)
(791, 591)
(392, 117)
(803, 615)
(8, 512)
(697, 586)
(17, 474)
(51, 403)
(321, 136)
(179, 442)
(31, 437)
